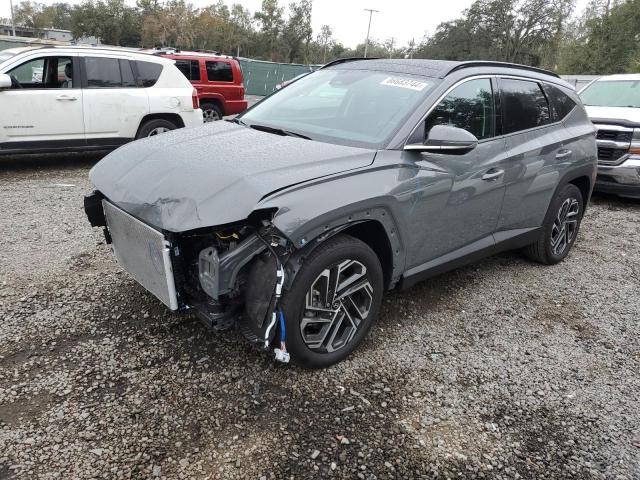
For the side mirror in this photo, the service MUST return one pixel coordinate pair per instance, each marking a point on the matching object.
(5, 81)
(446, 139)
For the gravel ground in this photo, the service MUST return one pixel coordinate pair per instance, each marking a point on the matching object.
(504, 369)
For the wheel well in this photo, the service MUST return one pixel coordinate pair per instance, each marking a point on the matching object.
(171, 117)
(375, 236)
(584, 185)
(215, 101)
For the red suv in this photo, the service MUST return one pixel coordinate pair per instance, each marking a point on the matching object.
(217, 78)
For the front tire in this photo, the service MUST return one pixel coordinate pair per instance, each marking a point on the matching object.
(560, 227)
(333, 303)
(155, 127)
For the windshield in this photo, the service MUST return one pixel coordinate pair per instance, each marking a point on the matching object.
(608, 93)
(347, 107)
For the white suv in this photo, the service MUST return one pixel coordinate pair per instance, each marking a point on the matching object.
(87, 98)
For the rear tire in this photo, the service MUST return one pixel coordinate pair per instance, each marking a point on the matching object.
(155, 127)
(324, 329)
(211, 112)
(560, 227)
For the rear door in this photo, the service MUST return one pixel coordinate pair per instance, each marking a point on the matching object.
(44, 108)
(113, 103)
(537, 148)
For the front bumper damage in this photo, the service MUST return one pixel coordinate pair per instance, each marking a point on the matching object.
(209, 271)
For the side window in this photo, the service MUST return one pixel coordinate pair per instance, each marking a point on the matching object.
(189, 68)
(524, 105)
(148, 73)
(127, 74)
(219, 72)
(195, 70)
(185, 68)
(103, 72)
(560, 103)
(45, 72)
(469, 106)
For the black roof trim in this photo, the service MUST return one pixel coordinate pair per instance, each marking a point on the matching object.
(345, 60)
(483, 63)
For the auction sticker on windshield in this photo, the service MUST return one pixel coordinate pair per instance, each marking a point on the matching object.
(403, 83)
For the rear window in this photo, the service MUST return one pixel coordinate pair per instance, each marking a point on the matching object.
(559, 102)
(189, 68)
(219, 72)
(148, 73)
(608, 93)
(524, 105)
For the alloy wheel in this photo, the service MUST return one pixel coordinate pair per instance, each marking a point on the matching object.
(336, 306)
(210, 115)
(158, 131)
(565, 226)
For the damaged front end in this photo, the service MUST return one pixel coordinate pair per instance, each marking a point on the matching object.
(229, 274)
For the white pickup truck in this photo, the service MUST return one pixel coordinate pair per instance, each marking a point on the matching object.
(613, 105)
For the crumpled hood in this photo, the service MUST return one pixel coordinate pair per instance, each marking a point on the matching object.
(213, 174)
(615, 115)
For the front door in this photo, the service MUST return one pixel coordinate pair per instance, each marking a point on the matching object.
(464, 212)
(43, 109)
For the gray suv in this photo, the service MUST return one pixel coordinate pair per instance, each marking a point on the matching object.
(292, 220)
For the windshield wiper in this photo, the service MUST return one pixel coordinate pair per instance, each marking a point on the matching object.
(238, 121)
(278, 131)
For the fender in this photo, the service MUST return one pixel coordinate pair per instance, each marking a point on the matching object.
(307, 221)
(211, 97)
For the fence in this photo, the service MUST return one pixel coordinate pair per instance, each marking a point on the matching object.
(261, 77)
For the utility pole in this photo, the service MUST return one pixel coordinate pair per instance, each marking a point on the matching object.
(393, 40)
(366, 42)
(13, 23)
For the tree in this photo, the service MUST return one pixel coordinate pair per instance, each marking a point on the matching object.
(507, 30)
(325, 40)
(297, 31)
(604, 40)
(271, 23)
(113, 22)
(32, 15)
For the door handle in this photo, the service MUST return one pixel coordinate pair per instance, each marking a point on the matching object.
(67, 97)
(562, 154)
(492, 174)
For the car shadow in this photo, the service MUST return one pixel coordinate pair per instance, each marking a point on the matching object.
(53, 160)
(615, 201)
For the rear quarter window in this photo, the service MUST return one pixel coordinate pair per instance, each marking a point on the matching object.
(559, 102)
(148, 73)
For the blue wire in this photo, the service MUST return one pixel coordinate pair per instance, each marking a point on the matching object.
(282, 331)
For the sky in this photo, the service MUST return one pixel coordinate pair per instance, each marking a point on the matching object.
(399, 19)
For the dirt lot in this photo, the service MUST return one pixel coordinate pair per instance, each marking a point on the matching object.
(504, 369)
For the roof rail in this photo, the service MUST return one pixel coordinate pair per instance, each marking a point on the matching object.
(345, 60)
(488, 63)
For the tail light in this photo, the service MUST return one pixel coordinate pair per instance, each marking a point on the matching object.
(195, 99)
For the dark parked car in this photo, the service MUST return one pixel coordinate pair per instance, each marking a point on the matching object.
(292, 220)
